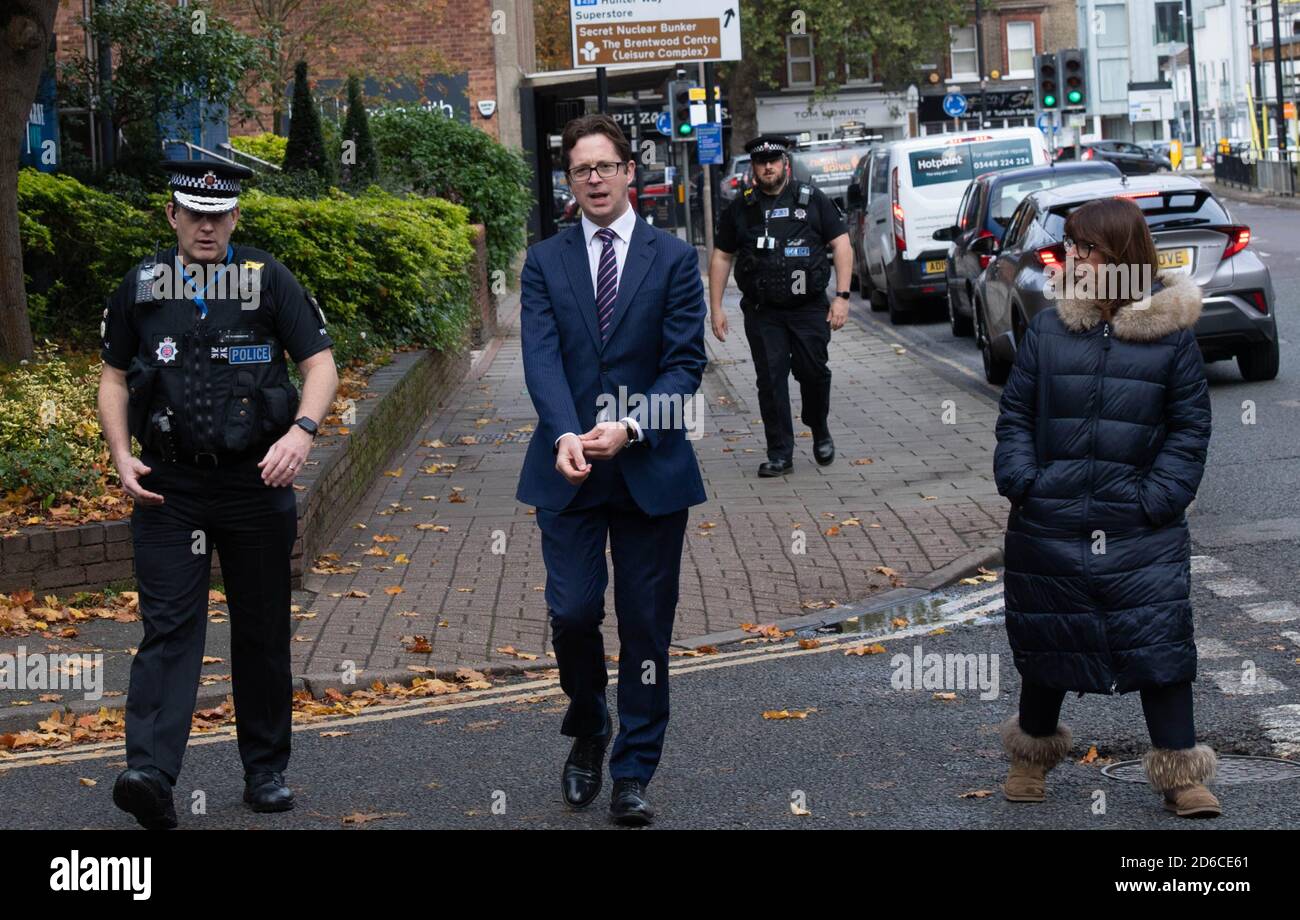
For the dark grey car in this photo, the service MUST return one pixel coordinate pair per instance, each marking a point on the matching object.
(986, 210)
(1193, 233)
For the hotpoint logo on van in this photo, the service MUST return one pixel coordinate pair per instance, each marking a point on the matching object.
(950, 158)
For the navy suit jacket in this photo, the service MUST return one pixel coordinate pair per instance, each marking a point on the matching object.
(655, 348)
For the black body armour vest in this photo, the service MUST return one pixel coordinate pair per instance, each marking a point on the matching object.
(782, 257)
(222, 375)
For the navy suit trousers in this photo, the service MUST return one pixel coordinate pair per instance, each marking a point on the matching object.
(647, 553)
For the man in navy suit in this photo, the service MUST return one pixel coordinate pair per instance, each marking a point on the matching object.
(612, 321)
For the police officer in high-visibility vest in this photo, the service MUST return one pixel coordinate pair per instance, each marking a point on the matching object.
(781, 235)
(193, 348)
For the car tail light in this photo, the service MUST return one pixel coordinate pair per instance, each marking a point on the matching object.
(900, 232)
(735, 181)
(984, 258)
(1088, 154)
(1238, 239)
(1051, 255)
(1260, 302)
(1131, 195)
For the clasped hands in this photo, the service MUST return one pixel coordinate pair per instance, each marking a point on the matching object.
(600, 443)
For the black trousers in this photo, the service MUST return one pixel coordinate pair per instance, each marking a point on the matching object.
(647, 556)
(252, 526)
(782, 341)
(1168, 712)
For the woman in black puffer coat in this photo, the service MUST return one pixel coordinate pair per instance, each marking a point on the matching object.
(1102, 436)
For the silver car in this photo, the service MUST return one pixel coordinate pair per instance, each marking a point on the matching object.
(1193, 234)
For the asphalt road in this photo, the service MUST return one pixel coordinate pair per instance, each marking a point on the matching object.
(871, 753)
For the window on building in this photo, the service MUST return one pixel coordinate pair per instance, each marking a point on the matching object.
(962, 57)
(1020, 49)
(858, 69)
(1169, 22)
(1110, 25)
(799, 68)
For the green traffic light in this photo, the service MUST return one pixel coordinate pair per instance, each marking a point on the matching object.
(1075, 97)
(1049, 101)
(683, 129)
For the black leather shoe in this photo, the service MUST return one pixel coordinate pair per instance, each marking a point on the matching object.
(824, 451)
(628, 806)
(266, 792)
(584, 770)
(146, 794)
(770, 468)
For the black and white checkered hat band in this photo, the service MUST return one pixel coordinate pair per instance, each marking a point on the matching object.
(206, 203)
(208, 182)
(768, 148)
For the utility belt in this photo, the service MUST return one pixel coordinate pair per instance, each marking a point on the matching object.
(162, 440)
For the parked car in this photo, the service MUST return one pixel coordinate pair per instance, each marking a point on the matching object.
(1194, 234)
(828, 166)
(736, 179)
(1131, 159)
(855, 215)
(985, 211)
(910, 189)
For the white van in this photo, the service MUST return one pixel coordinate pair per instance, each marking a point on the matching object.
(913, 187)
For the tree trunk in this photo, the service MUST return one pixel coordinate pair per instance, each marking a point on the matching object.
(744, 110)
(25, 30)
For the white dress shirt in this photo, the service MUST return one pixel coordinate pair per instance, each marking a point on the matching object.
(622, 226)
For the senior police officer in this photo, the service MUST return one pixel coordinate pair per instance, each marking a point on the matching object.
(781, 234)
(193, 349)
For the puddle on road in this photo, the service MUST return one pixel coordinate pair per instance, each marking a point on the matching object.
(976, 605)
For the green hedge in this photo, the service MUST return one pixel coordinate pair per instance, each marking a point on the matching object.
(429, 154)
(387, 270)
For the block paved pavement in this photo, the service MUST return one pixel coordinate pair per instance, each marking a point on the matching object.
(926, 498)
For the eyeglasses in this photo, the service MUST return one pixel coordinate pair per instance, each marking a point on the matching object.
(604, 170)
(1082, 250)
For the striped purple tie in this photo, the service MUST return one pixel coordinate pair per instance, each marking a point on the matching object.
(606, 281)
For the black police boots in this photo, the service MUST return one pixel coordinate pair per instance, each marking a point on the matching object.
(770, 468)
(823, 449)
(266, 792)
(146, 794)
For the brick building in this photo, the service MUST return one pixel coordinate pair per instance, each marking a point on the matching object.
(1012, 32)
(466, 56)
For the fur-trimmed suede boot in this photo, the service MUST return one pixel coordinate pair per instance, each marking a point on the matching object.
(1031, 758)
(1180, 776)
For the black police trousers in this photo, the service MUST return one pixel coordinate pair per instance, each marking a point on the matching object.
(782, 341)
(252, 527)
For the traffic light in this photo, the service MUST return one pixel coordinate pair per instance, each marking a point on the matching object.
(1074, 77)
(1046, 82)
(679, 102)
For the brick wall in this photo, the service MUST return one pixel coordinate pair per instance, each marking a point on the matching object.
(459, 31)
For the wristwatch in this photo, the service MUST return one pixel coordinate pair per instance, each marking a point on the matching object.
(631, 432)
(844, 294)
(306, 425)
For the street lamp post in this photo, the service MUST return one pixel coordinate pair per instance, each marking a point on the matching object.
(1189, 27)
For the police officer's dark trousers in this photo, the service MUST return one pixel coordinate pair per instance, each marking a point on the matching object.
(252, 527)
(784, 341)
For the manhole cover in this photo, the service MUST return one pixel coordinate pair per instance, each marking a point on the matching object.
(1233, 769)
